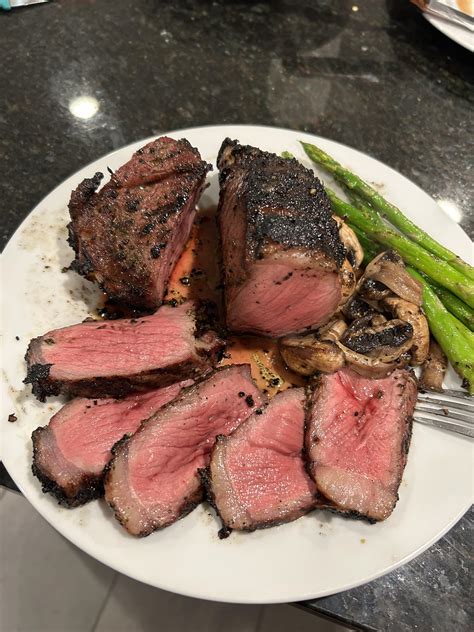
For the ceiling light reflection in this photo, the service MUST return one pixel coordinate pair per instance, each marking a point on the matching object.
(451, 209)
(84, 107)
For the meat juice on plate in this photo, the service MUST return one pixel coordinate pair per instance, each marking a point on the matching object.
(197, 275)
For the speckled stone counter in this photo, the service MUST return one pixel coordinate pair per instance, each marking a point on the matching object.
(373, 75)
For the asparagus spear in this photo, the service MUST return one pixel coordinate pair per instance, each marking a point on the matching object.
(453, 304)
(445, 328)
(413, 254)
(394, 215)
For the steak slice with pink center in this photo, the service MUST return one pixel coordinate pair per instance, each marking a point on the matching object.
(257, 476)
(71, 452)
(114, 358)
(357, 439)
(282, 253)
(153, 479)
(129, 235)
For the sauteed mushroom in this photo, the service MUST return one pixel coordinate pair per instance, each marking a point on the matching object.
(414, 315)
(434, 368)
(307, 354)
(356, 308)
(355, 254)
(386, 341)
(371, 367)
(373, 290)
(333, 330)
(388, 268)
(348, 281)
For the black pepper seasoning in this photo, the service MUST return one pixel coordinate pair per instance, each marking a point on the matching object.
(250, 401)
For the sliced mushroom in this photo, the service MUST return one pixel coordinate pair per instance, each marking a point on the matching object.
(333, 330)
(371, 367)
(434, 368)
(307, 354)
(378, 319)
(373, 290)
(386, 341)
(388, 268)
(414, 315)
(355, 254)
(348, 282)
(356, 308)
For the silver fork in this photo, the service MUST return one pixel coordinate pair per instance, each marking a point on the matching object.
(449, 410)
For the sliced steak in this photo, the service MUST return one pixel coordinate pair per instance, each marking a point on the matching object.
(282, 253)
(128, 236)
(357, 439)
(153, 478)
(113, 358)
(257, 476)
(71, 452)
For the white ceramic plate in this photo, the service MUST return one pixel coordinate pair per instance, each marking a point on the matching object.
(315, 556)
(458, 34)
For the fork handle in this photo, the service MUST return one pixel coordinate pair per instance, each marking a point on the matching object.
(445, 424)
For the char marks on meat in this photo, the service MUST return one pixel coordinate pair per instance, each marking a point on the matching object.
(71, 452)
(113, 358)
(282, 252)
(128, 236)
(357, 439)
(153, 479)
(257, 477)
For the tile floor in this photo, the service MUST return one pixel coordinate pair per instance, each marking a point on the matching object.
(47, 585)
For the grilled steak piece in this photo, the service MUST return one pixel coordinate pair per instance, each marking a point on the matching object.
(70, 453)
(282, 252)
(357, 439)
(113, 358)
(257, 476)
(128, 236)
(153, 478)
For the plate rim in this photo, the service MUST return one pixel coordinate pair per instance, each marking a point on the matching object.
(452, 31)
(37, 503)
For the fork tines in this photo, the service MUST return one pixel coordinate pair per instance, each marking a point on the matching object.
(450, 410)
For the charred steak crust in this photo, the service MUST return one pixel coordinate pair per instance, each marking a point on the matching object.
(88, 488)
(307, 222)
(44, 384)
(208, 495)
(38, 375)
(283, 258)
(128, 235)
(117, 387)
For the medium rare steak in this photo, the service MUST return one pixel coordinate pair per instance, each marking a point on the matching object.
(357, 439)
(70, 453)
(128, 236)
(282, 253)
(153, 478)
(257, 477)
(113, 358)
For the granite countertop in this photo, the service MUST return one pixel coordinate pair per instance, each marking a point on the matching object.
(373, 75)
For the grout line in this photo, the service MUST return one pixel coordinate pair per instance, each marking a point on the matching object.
(104, 603)
(259, 622)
